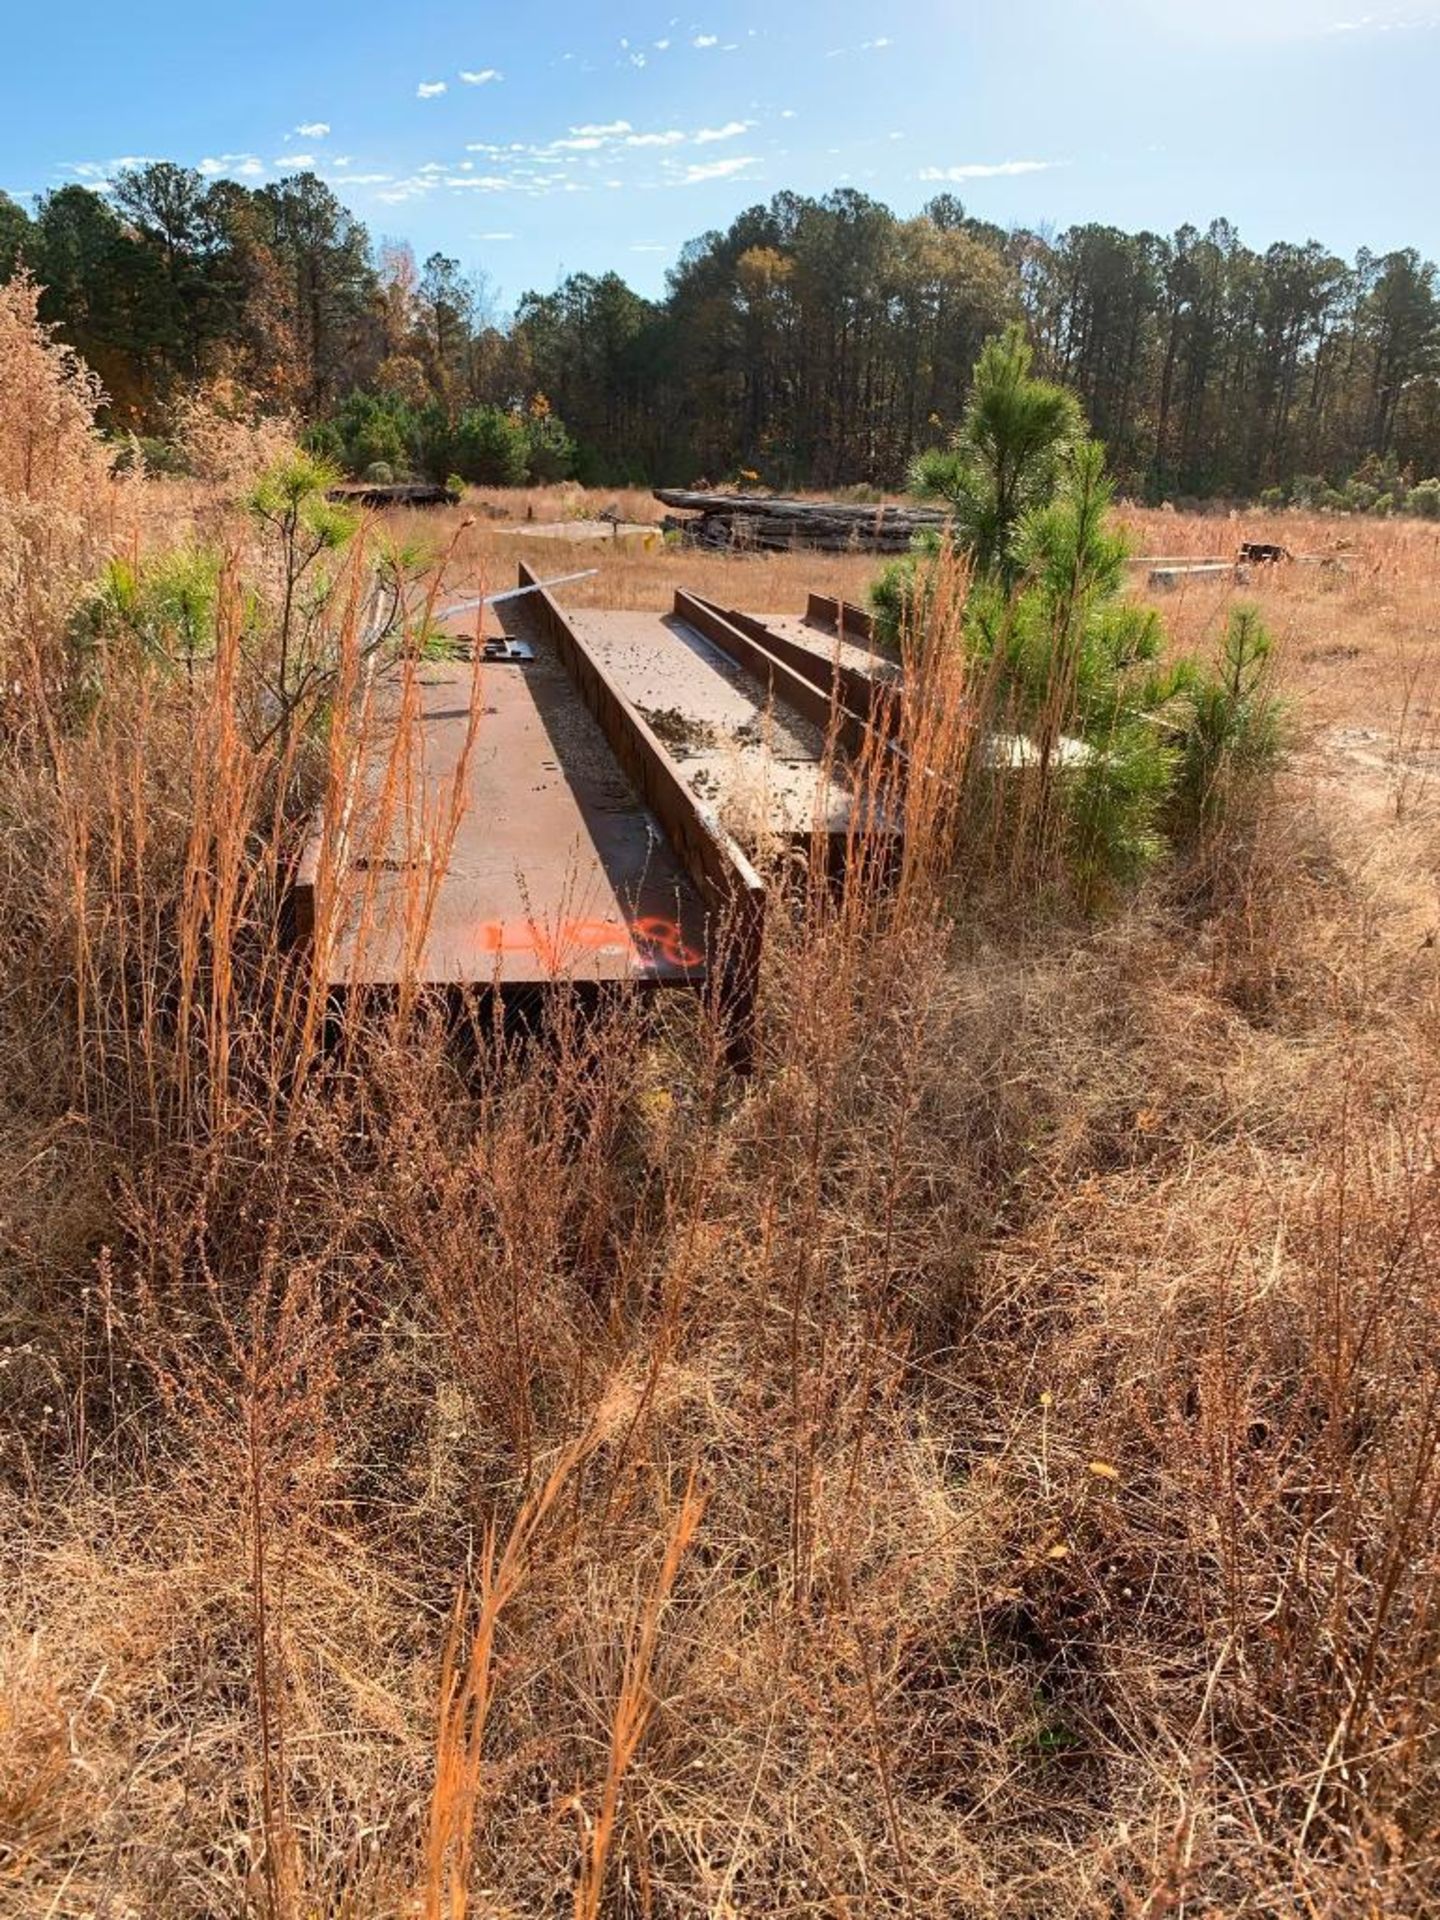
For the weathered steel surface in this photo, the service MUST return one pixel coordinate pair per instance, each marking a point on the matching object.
(764, 765)
(718, 870)
(716, 866)
(865, 683)
(495, 840)
(840, 616)
(824, 706)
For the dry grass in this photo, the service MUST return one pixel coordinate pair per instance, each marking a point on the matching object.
(985, 1465)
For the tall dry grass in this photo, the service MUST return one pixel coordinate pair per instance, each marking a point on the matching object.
(984, 1464)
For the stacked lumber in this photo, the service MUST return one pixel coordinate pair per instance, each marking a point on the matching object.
(775, 524)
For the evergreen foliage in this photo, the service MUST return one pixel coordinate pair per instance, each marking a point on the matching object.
(1234, 733)
(1005, 458)
(1065, 660)
(156, 611)
(481, 445)
(815, 341)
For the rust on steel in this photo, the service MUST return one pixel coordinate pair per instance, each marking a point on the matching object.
(848, 708)
(724, 879)
(823, 705)
(841, 616)
(765, 768)
(862, 681)
(493, 838)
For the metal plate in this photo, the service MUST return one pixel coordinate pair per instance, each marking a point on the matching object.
(555, 870)
(827, 646)
(754, 760)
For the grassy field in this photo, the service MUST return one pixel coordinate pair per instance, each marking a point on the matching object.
(985, 1465)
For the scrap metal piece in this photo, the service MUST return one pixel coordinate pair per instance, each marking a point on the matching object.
(504, 648)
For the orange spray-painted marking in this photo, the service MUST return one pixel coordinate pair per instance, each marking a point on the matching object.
(648, 938)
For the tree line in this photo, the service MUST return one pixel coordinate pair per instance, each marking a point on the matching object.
(816, 341)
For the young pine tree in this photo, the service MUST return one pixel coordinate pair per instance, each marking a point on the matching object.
(1007, 457)
(1067, 663)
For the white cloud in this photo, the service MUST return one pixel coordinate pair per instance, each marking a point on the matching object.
(980, 170)
(588, 156)
(1242, 22)
(246, 164)
(706, 40)
(367, 179)
(662, 46)
(295, 160)
(429, 89)
(1393, 22)
(651, 246)
(481, 77)
(708, 135)
(701, 170)
(313, 129)
(102, 172)
(412, 188)
(865, 46)
(788, 113)
(494, 236)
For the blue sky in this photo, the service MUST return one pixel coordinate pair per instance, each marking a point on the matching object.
(534, 140)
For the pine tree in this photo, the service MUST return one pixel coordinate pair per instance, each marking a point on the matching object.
(1006, 457)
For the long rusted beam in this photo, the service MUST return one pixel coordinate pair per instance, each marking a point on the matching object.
(751, 649)
(862, 734)
(732, 891)
(866, 701)
(842, 615)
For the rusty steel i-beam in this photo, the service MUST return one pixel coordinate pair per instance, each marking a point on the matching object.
(512, 824)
